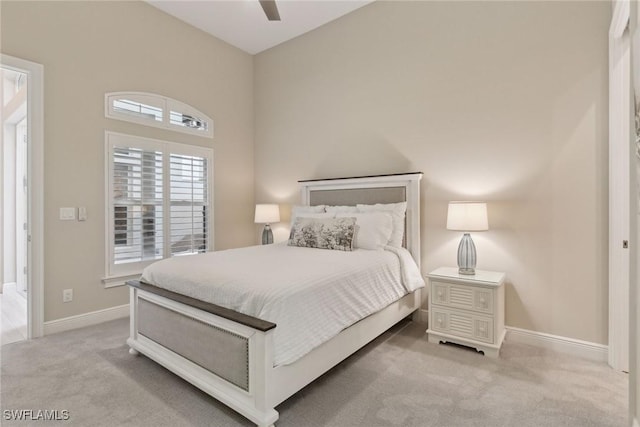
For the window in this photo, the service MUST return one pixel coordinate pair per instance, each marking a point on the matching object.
(137, 109)
(158, 111)
(159, 201)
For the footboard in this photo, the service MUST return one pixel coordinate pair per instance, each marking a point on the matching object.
(230, 359)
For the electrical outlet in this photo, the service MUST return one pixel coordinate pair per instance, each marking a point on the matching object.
(67, 295)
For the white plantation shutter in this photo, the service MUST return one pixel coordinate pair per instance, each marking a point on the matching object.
(137, 205)
(159, 201)
(189, 204)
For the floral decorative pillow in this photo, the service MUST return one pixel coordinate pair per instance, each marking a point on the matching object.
(323, 233)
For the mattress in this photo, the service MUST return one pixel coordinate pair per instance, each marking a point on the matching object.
(310, 294)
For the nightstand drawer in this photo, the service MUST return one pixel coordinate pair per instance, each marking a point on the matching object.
(462, 296)
(463, 325)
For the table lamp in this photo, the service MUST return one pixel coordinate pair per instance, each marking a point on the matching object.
(267, 214)
(467, 216)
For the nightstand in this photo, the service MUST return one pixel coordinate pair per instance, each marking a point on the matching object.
(467, 310)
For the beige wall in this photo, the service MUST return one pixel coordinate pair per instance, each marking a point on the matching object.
(497, 101)
(504, 102)
(87, 49)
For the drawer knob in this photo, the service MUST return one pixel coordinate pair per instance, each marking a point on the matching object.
(439, 294)
(482, 329)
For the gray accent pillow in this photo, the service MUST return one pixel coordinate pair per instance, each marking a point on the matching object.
(323, 233)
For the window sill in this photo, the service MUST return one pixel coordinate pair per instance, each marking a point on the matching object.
(115, 281)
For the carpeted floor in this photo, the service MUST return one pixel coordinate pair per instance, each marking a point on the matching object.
(398, 380)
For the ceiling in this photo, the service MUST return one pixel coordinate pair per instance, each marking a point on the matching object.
(242, 23)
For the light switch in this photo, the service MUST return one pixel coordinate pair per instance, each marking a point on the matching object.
(82, 213)
(67, 214)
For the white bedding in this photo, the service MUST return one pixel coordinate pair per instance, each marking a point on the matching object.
(310, 294)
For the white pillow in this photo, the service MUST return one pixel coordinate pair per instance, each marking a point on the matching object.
(341, 209)
(315, 215)
(397, 211)
(308, 209)
(299, 210)
(373, 229)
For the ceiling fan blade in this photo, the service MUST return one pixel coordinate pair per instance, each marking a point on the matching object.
(270, 9)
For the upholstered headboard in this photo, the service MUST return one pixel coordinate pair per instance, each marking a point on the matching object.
(370, 190)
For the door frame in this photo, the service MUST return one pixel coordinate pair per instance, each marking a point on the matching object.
(35, 184)
(619, 185)
(634, 301)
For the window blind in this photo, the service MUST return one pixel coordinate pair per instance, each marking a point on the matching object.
(137, 205)
(189, 202)
(159, 201)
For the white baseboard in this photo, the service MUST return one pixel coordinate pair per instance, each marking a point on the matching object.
(9, 286)
(584, 349)
(86, 319)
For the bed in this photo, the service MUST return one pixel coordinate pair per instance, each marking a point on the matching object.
(236, 357)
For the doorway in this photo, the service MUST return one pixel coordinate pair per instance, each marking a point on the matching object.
(21, 196)
(14, 136)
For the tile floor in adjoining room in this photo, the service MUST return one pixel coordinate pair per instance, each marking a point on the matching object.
(13, 307)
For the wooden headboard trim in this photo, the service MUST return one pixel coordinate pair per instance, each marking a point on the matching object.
(362, 177)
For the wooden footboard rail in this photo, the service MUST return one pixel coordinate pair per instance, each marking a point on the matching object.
(225, 313)
(227, 354)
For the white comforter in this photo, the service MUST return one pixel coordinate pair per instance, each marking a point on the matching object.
(311, 294)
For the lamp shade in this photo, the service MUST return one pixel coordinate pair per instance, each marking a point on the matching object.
(467, 216)
(267, 214)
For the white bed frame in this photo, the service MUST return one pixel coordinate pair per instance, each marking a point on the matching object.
(268, 386)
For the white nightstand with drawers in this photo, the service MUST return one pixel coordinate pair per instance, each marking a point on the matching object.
(467, 310)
